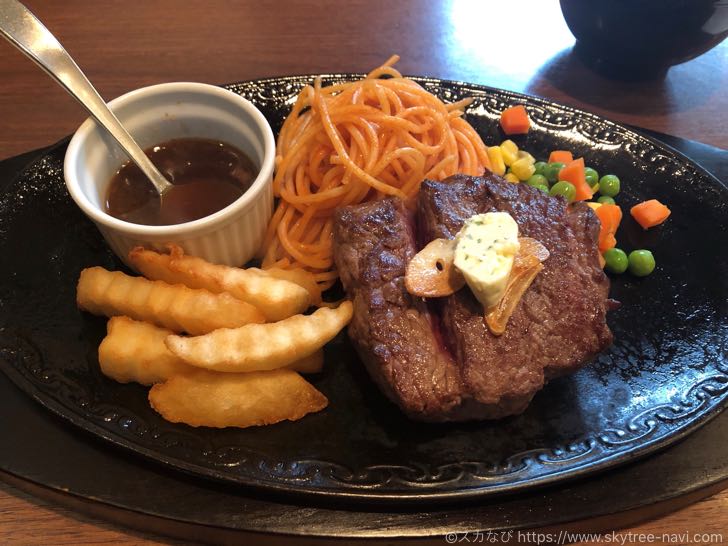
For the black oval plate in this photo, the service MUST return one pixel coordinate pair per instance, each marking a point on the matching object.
(665, 375)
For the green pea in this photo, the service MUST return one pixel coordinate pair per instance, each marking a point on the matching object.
(609, 185)
(565, 189)
(540, 166)
(605, 199)
(537, 180)
(552, 170)
(592, 176)
(616, 260)
(543, 187)
(641, 263)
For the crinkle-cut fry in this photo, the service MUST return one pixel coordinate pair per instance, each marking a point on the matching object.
(276, 298)
(263, 346)
(134, 351)
(297, 275)
(155, 266)
(312, 363)
(208, 399)
(177, 307)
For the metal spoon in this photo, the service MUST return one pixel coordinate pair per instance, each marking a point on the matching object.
(23, 29)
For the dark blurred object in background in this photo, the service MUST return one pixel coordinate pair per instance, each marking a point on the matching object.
(642, 39)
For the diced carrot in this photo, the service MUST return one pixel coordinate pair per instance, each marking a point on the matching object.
(574, 172)
(561, 156)
(610, 241)
(514, 120)
(610, 216)
(650, 213)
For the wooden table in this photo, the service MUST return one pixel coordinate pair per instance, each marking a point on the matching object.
(521, 45)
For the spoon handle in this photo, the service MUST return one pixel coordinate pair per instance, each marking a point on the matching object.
(21, 28)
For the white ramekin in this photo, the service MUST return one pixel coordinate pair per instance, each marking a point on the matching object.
(159, 113)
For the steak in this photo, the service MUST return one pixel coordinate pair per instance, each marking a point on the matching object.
(437, 359)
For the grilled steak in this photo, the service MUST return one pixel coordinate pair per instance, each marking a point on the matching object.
(437, 359)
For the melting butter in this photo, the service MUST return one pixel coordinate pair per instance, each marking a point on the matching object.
(485, 249)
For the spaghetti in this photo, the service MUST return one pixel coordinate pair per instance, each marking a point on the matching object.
(359, 141)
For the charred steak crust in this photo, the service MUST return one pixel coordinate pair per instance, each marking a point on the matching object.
(391, 330)
(559, 324)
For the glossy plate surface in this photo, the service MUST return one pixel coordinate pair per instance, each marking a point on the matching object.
(666, 374)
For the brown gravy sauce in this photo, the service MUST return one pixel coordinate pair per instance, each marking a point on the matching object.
(208, 175)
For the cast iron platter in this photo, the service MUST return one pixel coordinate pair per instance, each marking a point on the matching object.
(665, 376)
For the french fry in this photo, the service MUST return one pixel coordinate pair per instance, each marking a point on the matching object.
(155, 266)
(210, 399)
(299, 276)
(312, 363)
(262, 346)
(134, 351)
(177, 307)
(276, 298)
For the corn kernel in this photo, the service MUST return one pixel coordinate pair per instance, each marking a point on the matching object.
(524, 154)
(594, 205)
(510, 145)
(496, 160)
(512, 178)
(509, 151)
(523, 169)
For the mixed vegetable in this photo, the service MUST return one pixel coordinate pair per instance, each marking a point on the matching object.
(570, 178)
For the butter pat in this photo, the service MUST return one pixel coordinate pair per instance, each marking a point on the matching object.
(484, 252)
